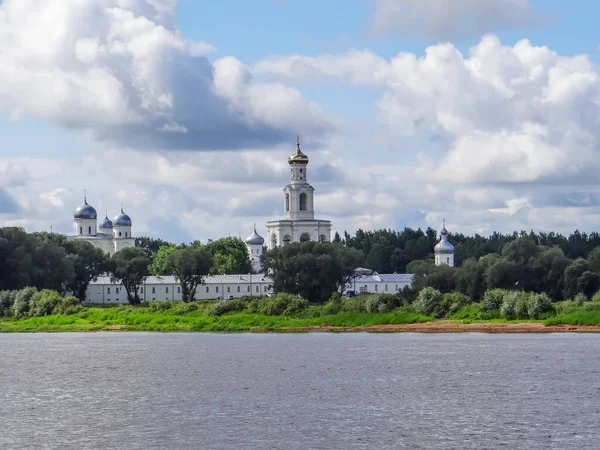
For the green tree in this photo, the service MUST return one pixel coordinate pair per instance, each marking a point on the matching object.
(230, 256)
(150, 245)
(159, 260)
(312, 270)
(88, 263)
(470, 279)
(190, 265)
(130, 267)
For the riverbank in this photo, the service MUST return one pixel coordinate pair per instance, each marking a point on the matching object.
(137, 319)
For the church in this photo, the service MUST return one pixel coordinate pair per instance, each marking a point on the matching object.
(110, 236)
(298, 224)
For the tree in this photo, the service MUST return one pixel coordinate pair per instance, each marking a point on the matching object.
(130, 267)
(312, 270)
(572, 276)
(470, 279)
(190, 265)
(159, 260)
(88, 263)
(350, 259)
(230, 256)
(150, 245)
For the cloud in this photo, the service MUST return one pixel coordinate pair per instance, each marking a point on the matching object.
(121, 71)
(7, 204)
(449, 20)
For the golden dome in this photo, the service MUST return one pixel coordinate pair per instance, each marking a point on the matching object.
(298, 157)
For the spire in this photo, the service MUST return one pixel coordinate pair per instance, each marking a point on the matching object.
(85, 196)
(297, 143)
(106, 213)
(255, 227)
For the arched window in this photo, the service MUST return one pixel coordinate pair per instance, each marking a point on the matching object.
(287, 239)
(303, 201)
(322, 238)
(89, 230)
(304, 237)
(287, 202)
(274, 240)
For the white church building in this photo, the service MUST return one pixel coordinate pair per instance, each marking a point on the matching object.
(109, 235)
(298, 223)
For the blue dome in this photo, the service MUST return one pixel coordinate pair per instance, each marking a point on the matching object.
(85, 211)
(122, 220)
(255, 239)
(106, 223)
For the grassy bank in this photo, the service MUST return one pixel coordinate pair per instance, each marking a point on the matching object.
(287, 313)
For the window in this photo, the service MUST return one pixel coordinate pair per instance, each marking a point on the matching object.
(305, 237)
(322, 238)
(80, 230)
(142, 290)
(108, 299)
(116, 290)
(447, 260)
(126, 234)
(286, 239)
(287, 202)
(385, 288)
(375, 288)
(108, 290)
(179, 289)
(217, 289)
(239, 289)
(89, 230)
(257, 288)
(303, 201)
(154, 290)
(248, 288)
(119, 234)
(396, 288)
(228, 289)
(167, 290)
(265, 288)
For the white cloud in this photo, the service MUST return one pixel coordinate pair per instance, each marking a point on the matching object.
(443, 19)
(121, 70)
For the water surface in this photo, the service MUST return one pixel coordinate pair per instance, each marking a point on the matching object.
(299, 391)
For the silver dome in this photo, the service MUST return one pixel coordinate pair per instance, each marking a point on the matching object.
(106, 223)
(444, 246)
(122, 220)
(255, 239)
(85, 211)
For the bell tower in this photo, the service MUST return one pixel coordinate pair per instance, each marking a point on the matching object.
(298, 195)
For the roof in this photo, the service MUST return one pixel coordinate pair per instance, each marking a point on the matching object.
(386, 277)
(214, 279)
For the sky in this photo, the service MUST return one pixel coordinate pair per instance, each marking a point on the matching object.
(485, 113)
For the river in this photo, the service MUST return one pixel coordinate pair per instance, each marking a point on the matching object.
(299, 391)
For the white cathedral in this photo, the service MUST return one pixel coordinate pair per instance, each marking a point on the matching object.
(298, 223)
(110, 235)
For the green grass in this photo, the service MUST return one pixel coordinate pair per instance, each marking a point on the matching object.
(178, 316)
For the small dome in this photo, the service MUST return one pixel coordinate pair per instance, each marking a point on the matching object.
(298, 157)
(444, 246)
(106, 222)
(85, 211)
(255, 239)
(122, 220)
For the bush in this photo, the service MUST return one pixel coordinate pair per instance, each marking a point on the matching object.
(355, 304)
(44, 302)
(538, 304)
(492, 299)
(20, 306)
(184, 308)
(296, 306)
(228, 306)
(333, 305)
(7, 299)
(68, 305)
(161, 305)
(278, 305)
(507, 310)
(452, 302)
(383, 303)
(429, 302)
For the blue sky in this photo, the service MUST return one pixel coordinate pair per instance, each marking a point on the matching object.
(186, 111)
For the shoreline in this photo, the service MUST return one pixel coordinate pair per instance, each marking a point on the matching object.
(440, 326)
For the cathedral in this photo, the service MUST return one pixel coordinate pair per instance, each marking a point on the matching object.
(109, 235)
